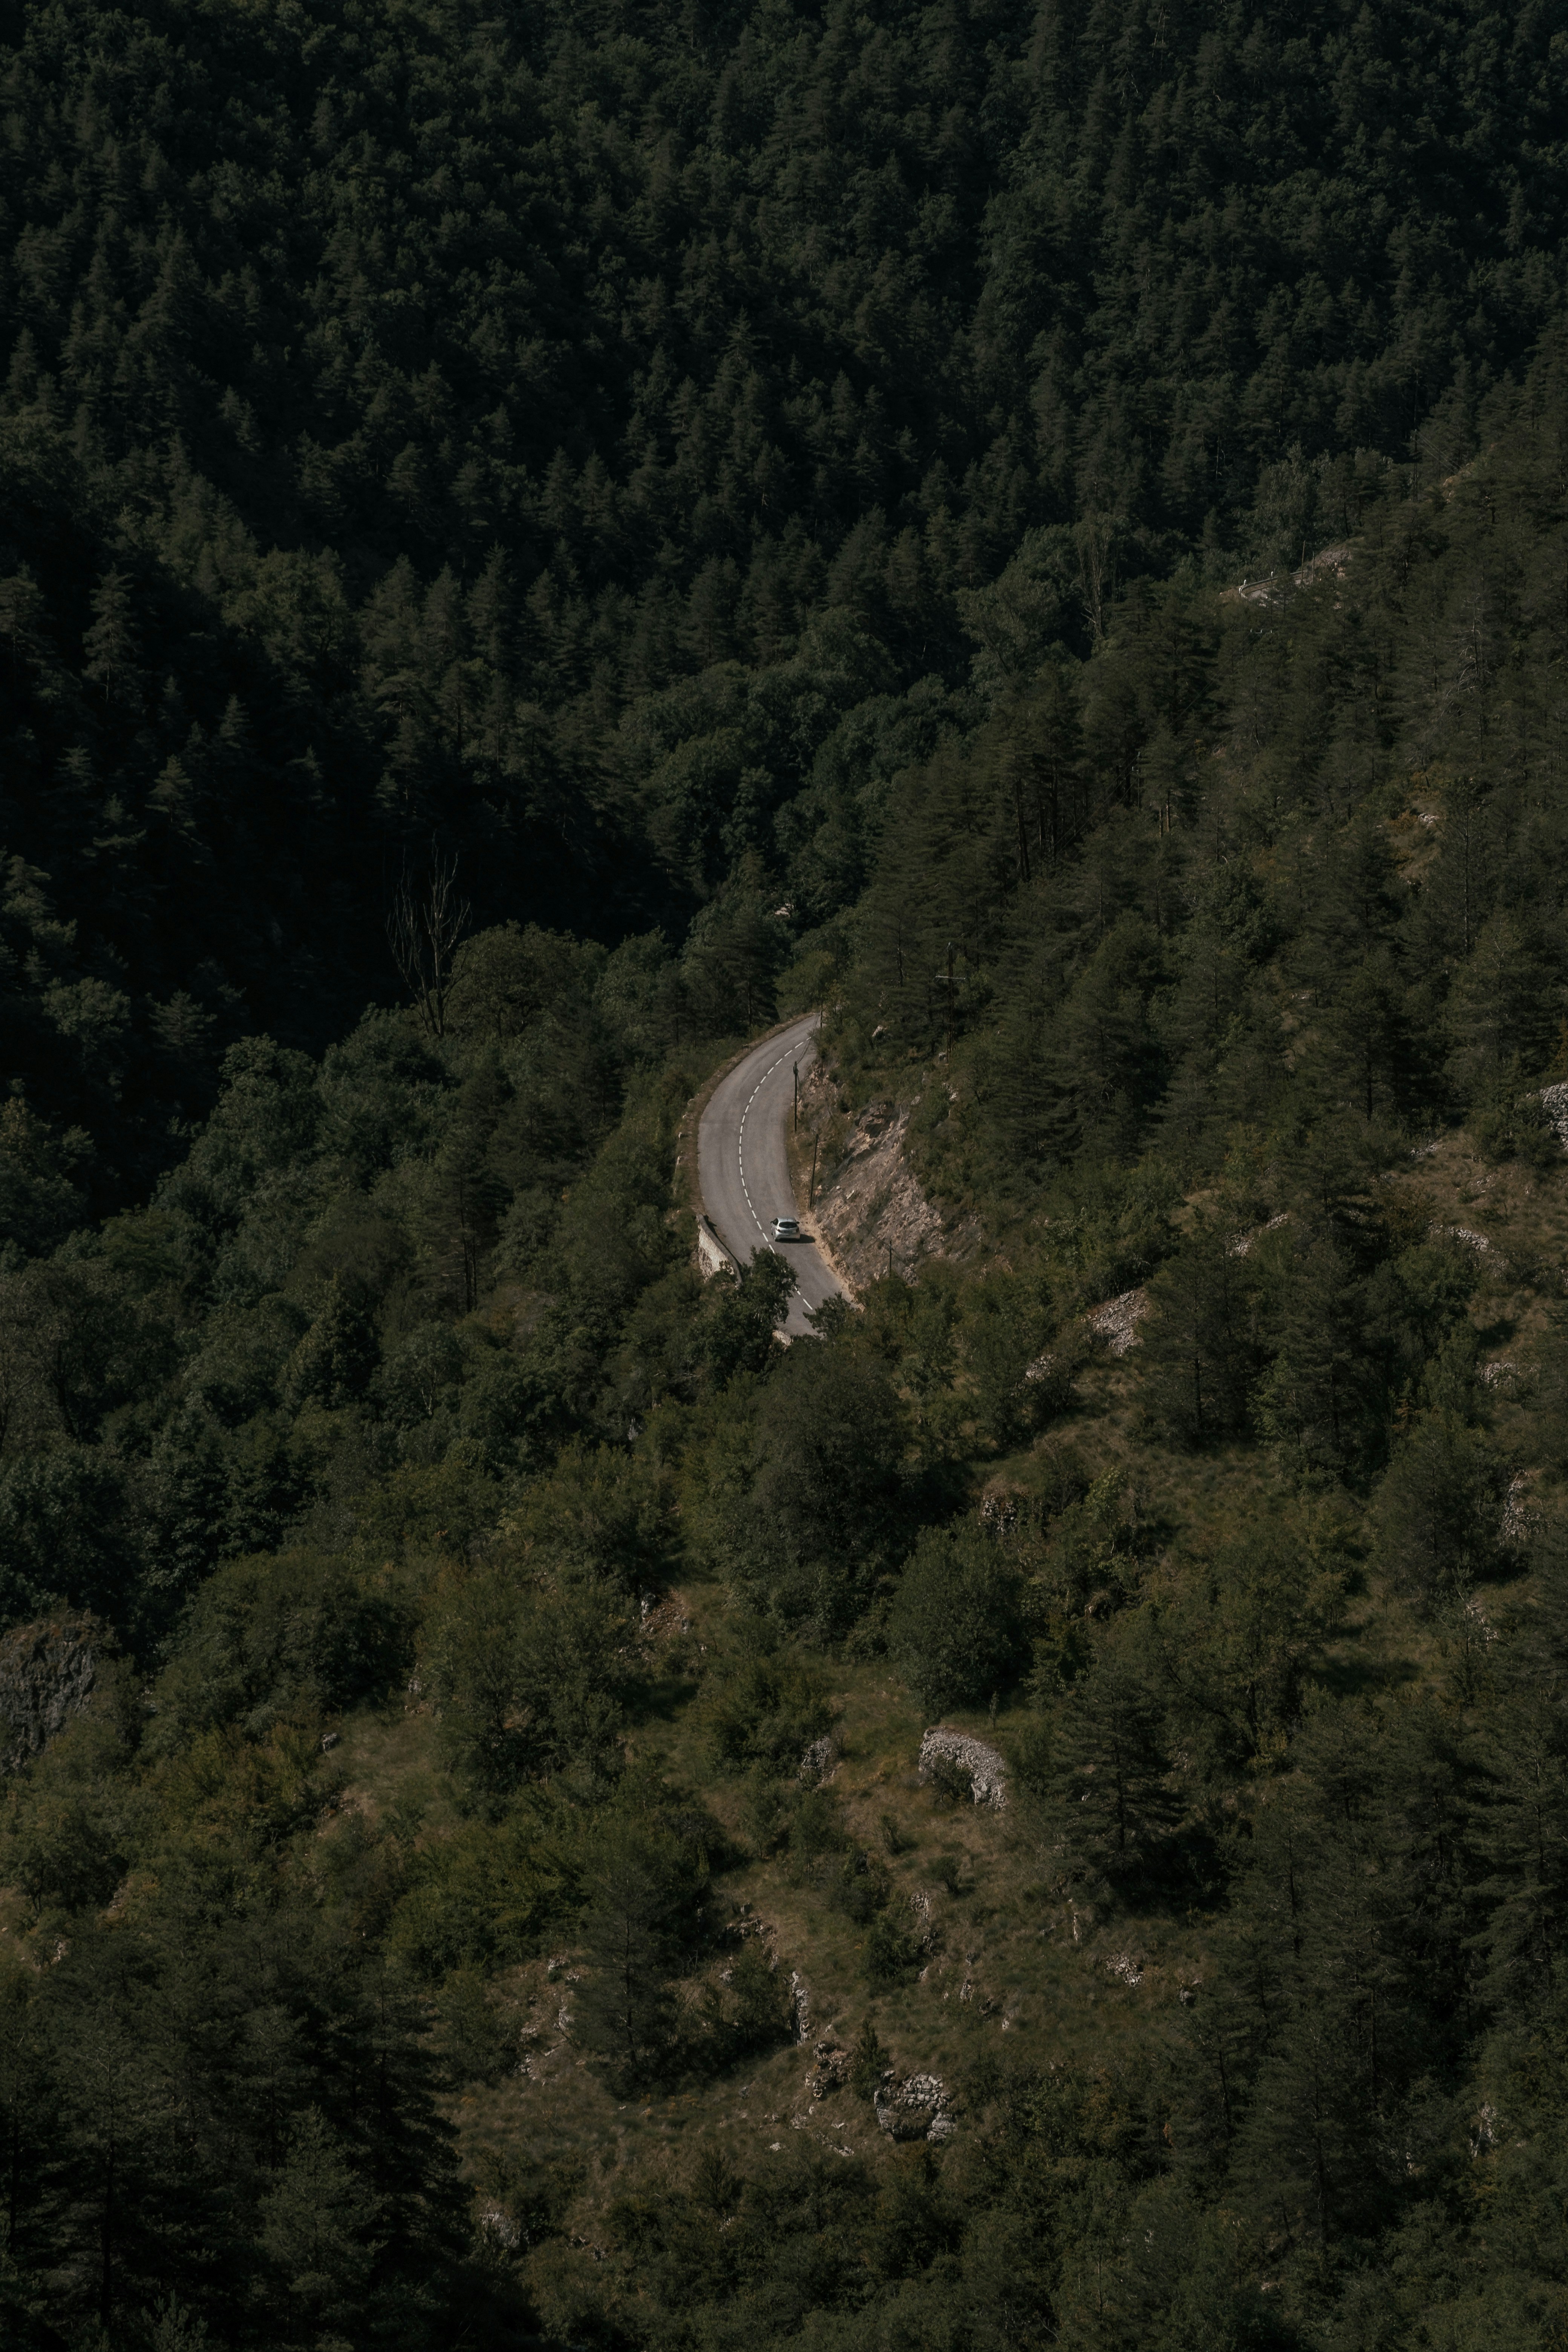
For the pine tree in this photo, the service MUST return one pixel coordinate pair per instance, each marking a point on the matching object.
(318, 2220)
(868, 2062)
(1113, 1798)
(1202, 1352)
(112, 649)
(1440, 1508)
(623, 2011)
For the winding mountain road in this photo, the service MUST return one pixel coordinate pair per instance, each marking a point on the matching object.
(742, 1169)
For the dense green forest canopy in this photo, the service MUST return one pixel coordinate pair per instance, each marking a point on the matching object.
(1046, 532)
(599, 444)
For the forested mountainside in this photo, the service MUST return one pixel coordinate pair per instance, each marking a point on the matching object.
(1284, 853)
(1045, 534)
(594, 443)
(441, 1586)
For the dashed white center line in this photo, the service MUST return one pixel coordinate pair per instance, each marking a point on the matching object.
(741, 1144)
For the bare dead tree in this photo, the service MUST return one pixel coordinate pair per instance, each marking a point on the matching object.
(425, 928)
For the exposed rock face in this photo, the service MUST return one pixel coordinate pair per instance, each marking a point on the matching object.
(986, 1769)
(819, 1761)
(831, 2070)
(799, 2006)
(1466, 1234)
(1242, 1245)
(1117, 1321)
(872, 1200)
(1519, 1516)
(712, 1256)
(497, 2223)
(47, 1675)
(914, 2106)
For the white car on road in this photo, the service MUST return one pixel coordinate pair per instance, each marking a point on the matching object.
(786, 1229)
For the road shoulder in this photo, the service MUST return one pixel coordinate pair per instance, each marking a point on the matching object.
(798, 1158)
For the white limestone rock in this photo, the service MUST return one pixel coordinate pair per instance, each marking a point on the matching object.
(985, 1768)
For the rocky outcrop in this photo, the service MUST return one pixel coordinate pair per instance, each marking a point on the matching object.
(799, 2006)
(914, 2106)
(870, 1209)
(46, 1675)
(984, 1768)
(714, 1257)
(1332, 564)
(831, 2070)
(1117, 1321)
(1520, 1520)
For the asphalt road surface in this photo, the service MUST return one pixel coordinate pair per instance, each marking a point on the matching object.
(743, 1173)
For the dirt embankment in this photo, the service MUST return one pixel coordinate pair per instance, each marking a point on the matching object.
(870, 1212)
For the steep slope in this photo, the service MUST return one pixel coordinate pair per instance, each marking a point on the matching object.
(600, 449)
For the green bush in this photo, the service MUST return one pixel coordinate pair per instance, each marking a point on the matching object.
(528, 1681)
(1439, 1506)
(1020, 1377)
(767, 1814)
(644, 1882)
(817, 1825)
(477, 1896)
(1511, 1123)
(853, 1885)
(868, 2062)
(889, 1955)
(828, 1500)
(750, 2007)
(299, 1632)
(767, 1709)
(478, 2034)
(954, 1626)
